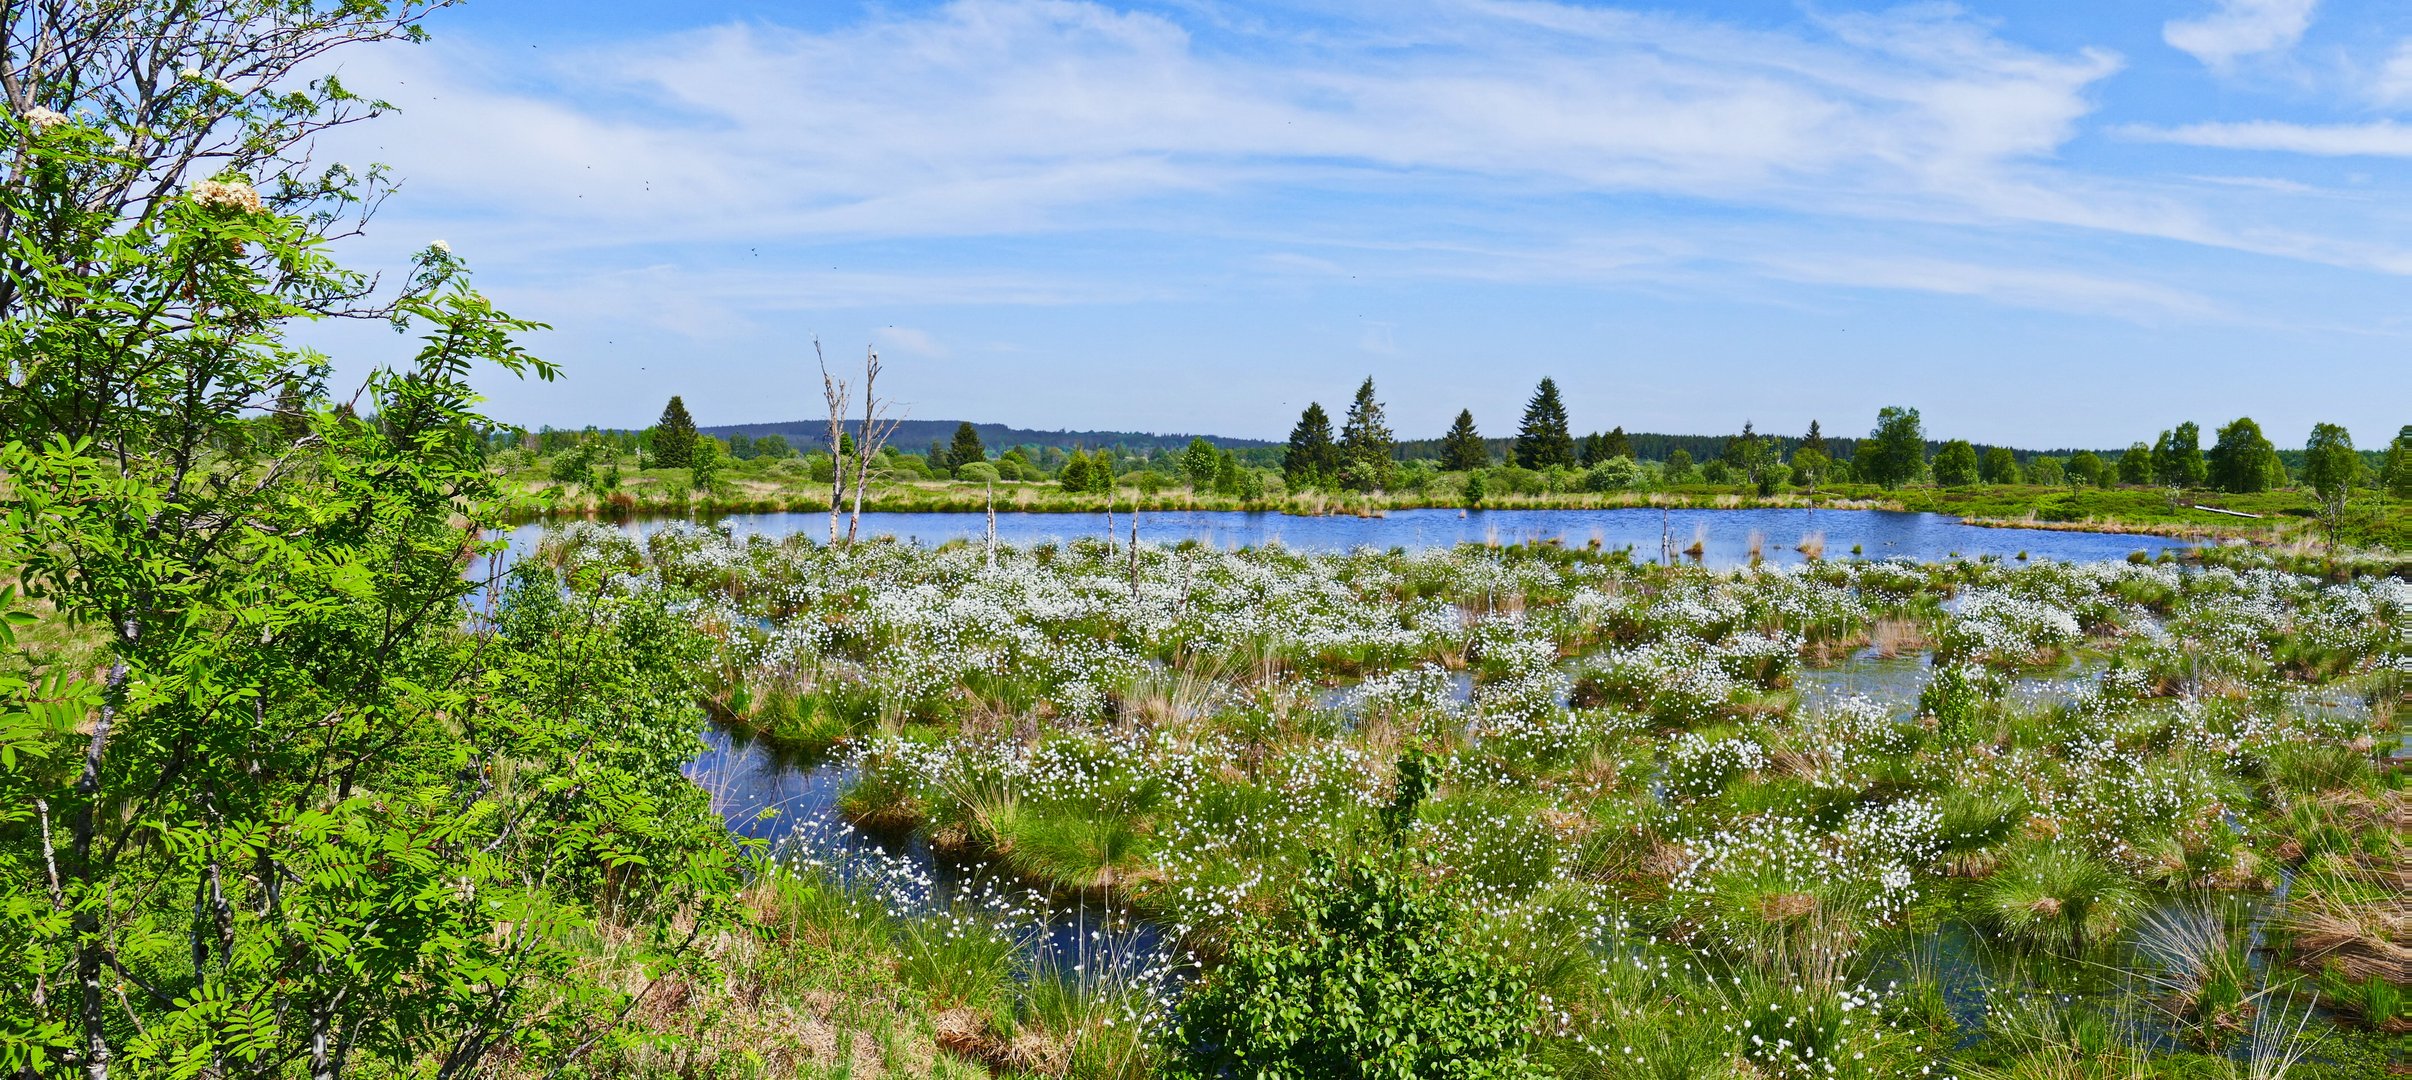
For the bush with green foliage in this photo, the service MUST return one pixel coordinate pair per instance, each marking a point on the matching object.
(1614, 474)
(2135, 466)
(309, 814)
(2000, 466)
(1369, 973)
(2243, 461)
(2087, 468)
(1956, 464)
(1895, 452)
(2177, 457)
(575, 465)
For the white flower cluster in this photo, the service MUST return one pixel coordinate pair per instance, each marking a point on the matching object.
(231, 196)
(43, 120)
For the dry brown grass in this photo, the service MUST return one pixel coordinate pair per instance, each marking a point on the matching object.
(1894, 638)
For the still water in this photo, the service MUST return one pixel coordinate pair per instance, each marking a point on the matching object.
(1727, 538)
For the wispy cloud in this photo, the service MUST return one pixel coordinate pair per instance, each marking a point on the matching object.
(724, 190)
(1000, 116)
(2392, 86)
(2052, 290)
(916, 342)
(2381, 138)
(2238, 28)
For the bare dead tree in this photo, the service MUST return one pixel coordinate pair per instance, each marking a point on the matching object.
(877, 426)
(834, 392)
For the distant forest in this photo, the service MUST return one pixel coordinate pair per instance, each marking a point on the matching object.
(912, 434)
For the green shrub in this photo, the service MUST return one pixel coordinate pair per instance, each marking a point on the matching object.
(1373, 974)
(1370, 977)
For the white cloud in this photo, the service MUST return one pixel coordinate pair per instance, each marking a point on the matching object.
(2052, 290)
(1014, 116)
(916, 342)
(2239, 28)
(1458, 139)
(2393, 84)
(2382, 138)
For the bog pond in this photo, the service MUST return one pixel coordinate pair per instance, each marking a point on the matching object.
(1725, 538)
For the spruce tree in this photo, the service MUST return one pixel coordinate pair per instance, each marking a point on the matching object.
(966, 447)
(1815, 440)
(1543, 441)
(674, 437)
(1462, 448)
(1365, 443)
(1616, 444)
(1311, 457)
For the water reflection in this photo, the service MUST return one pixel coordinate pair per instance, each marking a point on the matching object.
(790, 801)
(1727, 538)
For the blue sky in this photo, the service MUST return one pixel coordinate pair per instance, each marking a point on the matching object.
(2040, 223)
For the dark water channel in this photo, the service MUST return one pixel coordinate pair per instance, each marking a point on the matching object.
(790, 802)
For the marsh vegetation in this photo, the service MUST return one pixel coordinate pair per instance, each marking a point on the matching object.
(1847, 818)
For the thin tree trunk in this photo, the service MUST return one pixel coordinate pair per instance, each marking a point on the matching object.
(833, 393)
(877, 426)
(88, 959)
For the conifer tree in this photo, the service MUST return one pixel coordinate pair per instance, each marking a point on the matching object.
(674, 436)
(1365, 443)
(1543, 441)
(1616, 444)
(966, 448)
(1462, 448)
(1816, 440)
(1312, 456)
(1592, 449)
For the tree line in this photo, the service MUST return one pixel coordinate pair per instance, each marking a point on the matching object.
(1363, 454)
